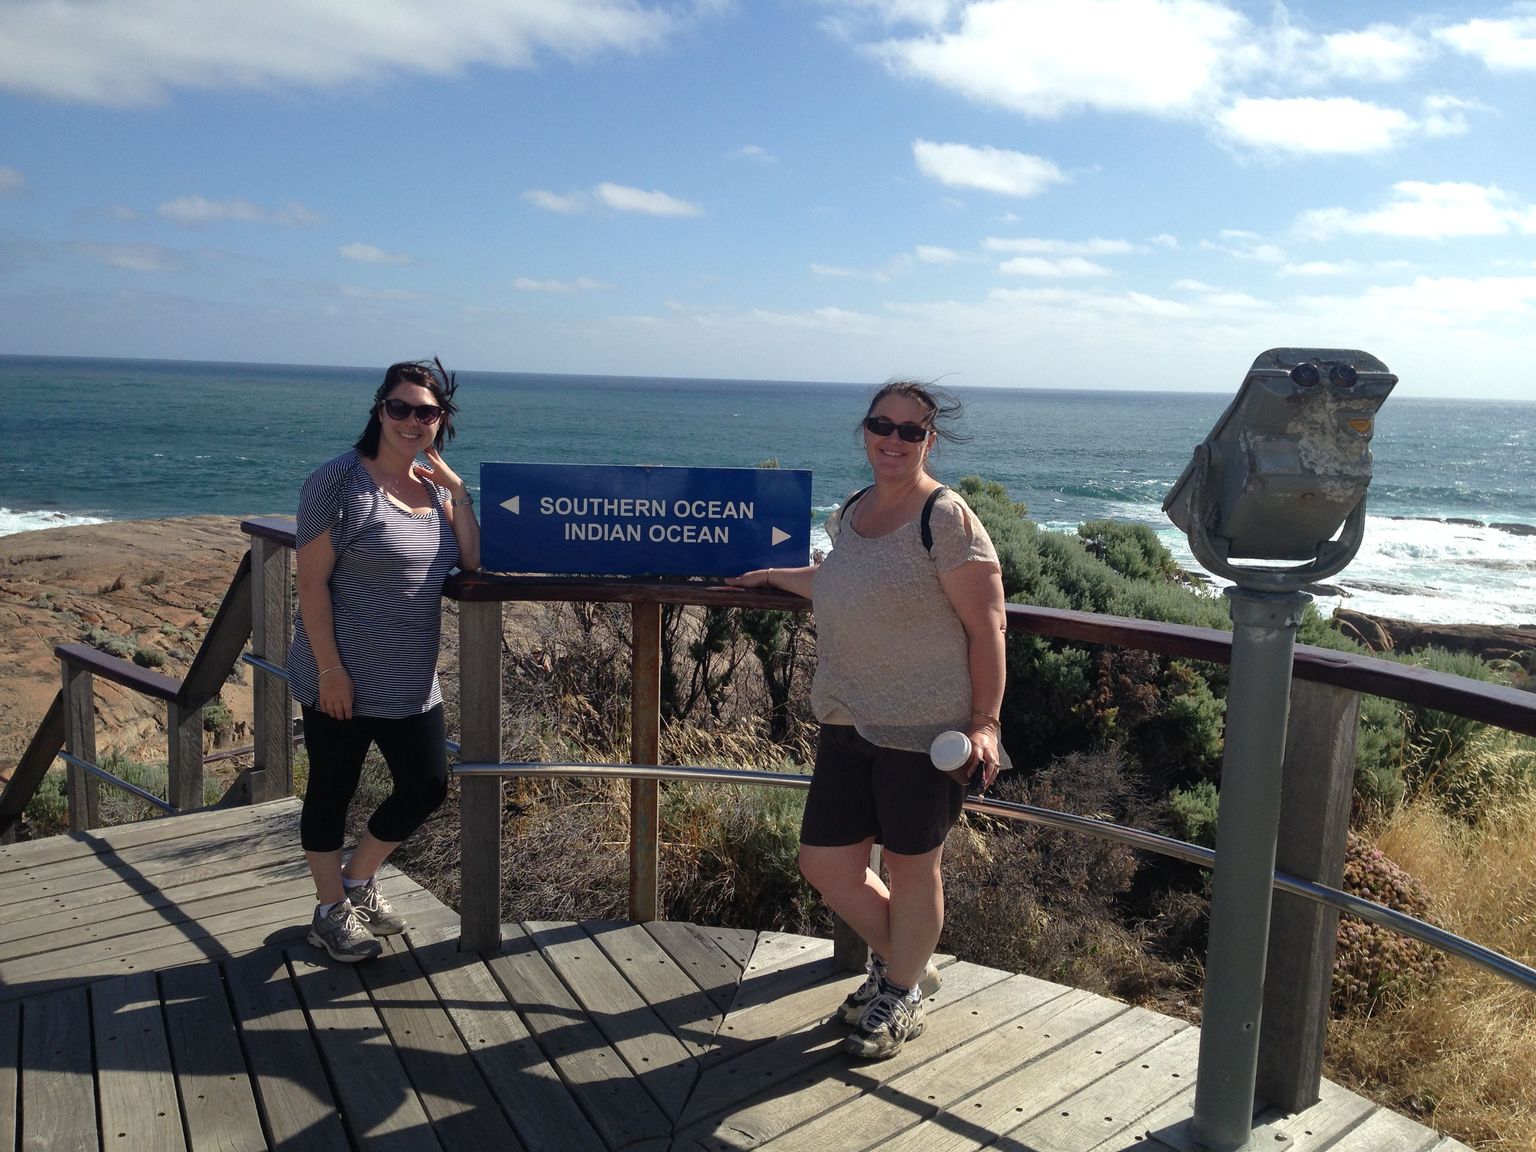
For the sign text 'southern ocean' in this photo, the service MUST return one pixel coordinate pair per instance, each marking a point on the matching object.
(618, 520)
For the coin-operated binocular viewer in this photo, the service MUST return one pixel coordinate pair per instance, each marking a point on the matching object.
(1282, 477)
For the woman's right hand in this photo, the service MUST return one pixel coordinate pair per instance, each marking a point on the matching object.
(336, 694)
(757, 578)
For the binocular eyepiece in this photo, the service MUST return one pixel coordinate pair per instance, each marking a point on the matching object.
(1310, 374)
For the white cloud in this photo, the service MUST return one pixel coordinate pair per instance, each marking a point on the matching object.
(1045, 58)
(137, 51)
(989, 169)
(1380, 52)
(11, 181)
(1427, 212)
(1245, 246)
(1070, 267)
(1323, 268)
(133, 257)
(1332, 124)
(368, 254)
(198, 210)
(624, 199)
(559, 287)
(932, 254)
(555, 202)
(1040, 246)
(1502, 45)
(754, 152)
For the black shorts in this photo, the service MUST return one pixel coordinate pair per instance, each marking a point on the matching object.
(861, 790)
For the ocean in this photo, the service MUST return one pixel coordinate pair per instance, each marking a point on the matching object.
(98, 439)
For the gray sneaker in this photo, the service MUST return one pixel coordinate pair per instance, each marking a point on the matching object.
(374, 911)
(891, 1019)
(342, 934)
(852, 1009)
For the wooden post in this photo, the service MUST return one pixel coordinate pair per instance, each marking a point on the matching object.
(480, 796)
(644, 748)
(271, 776)
(80, 741)
(1314, 823)
(184, 762)
(849, 951)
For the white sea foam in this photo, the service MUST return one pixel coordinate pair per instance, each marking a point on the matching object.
(1426, 570)
(12, 522)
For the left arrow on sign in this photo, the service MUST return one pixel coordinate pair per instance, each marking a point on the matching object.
(513, 505)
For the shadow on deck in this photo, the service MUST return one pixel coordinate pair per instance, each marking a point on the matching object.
(156, 993)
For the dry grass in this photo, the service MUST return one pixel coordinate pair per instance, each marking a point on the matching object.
(1459, 1056)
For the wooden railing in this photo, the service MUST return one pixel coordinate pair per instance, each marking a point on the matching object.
(1319, 765)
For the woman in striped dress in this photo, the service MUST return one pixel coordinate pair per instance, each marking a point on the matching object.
(378, 531)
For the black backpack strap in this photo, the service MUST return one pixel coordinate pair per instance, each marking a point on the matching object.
(933, 498)
(842, 512)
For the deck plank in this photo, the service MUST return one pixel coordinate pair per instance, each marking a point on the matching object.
(658, 1060)
(1113, 1106)
(54, 850)
(827, 1096)
(619, 1108)
(10, 1056)
(531, 1093)
(685, 1008)
(463, 1110)
(112, 901)
(707, 965)
(378, 1103)
(139, 1109)
(58, 1111)
(217, 1101)
(297, 1106)
(1030, 1086)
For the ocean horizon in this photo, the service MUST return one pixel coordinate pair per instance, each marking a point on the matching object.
(1450, 535)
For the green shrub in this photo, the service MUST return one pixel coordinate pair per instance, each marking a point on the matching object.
(218, 720)
(1192, 811)
(148, 657)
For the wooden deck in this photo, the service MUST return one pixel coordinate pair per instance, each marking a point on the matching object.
(156, 993)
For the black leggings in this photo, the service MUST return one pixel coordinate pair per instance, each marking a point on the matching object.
(412, 746)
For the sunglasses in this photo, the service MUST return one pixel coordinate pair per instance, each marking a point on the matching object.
(399, 410)
(882, 426)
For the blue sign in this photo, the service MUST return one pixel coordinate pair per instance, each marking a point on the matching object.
(615, 520)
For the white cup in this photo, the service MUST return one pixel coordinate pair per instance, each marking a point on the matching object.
(950, 750)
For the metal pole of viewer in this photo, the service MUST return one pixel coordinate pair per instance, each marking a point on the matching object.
(1258, 705)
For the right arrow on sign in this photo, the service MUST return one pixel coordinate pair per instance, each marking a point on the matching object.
(778, 537)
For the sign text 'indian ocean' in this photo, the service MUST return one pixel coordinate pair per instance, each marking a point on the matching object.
(617, 520)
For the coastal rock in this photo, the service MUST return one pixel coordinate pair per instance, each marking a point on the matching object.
(154, 584)
(1488, 641)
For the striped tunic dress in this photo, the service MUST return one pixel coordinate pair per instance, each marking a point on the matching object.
(386, 590)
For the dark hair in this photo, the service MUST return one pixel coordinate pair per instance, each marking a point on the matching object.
(430, 374)
(941, 405)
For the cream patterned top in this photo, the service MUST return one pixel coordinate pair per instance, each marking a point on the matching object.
(891, 654)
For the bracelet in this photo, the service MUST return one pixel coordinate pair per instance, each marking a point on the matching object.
(332, 668)
(460, 501)
(989, 719)
(768, 579)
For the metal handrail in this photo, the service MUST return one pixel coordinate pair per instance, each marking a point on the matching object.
(1368, 910)
(102, 774)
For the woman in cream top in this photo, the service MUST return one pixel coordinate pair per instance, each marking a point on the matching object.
(909, 638)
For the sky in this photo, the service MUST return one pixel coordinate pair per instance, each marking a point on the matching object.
(1137, 194)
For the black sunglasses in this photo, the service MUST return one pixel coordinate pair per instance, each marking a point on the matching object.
(399, 410)
(883, 426)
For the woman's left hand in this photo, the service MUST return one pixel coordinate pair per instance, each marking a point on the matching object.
(438, 472)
